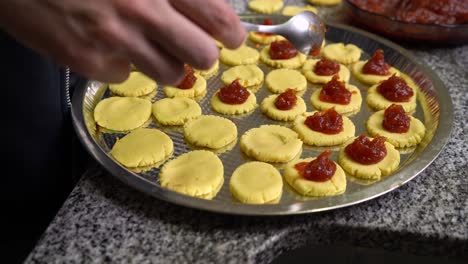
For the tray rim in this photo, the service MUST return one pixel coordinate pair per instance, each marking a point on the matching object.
(428, 155)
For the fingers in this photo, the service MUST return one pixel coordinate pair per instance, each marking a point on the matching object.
(216, 18)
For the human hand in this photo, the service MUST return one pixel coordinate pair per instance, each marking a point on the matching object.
(100, 38)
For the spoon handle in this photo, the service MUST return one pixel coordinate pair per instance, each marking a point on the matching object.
(259, 28)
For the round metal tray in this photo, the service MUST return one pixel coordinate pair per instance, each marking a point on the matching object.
(434, 108)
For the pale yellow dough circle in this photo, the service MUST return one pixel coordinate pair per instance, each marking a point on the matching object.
(336, 185)
(210, 72)
(292, 63)
(122, 113)
(308, 71)
(378, 102)
(264, 39)
(268, 108)
(314, 138)
(278, 81)
(294, 10)
(209, 131)
(248, 75)
(370, 172)
(324, 2)
(256, 183)
(271, 143)
(400, 140)
(371, 79)
(175, 111)
(198, 173)
(266, 6)
(137, 84)
(242, 55)
(142, 147)
(353, 107)
(234, 109)
(199, 88)
(342, 53)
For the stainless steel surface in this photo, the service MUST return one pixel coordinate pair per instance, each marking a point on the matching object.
(304, 30)
(434, 109)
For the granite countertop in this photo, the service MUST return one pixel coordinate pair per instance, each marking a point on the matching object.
(105, 221)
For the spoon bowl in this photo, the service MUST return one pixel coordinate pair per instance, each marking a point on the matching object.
(305, 31)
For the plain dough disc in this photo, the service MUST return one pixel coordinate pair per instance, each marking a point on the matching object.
(324, 2)
(292, 63)
(256, 183)
(336, 185)
(264, 39)
(175, 111)
(294, 10)
(122, 113)
(137, 84)
(266, 6)
(242, 55)
(198, 173)
(278, 81)
(248, 75)
(271, 143)
(199, 88)
(371, 79)
(308, 71)
(268, 108)
(353, 107)
(210, 72)
(142, 147)
(210, 131)
(314, 138)
(342, 53)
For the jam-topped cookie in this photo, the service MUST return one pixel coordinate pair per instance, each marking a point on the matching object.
(343, 97)
(193, 85)
(323, 70)
(282, 54)
(394, 90)
(369, 158)
(316, 177)
(399, 128)
(374, 70)
(326, 128)
(283, 107)
(233, 99)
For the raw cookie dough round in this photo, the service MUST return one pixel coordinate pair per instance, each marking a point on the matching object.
(234, 109)
(209, 131)
(400, 140)
(256, 183)
(371, 79)
(278, 81)
(266, 6)
(353, 107)
(122, 113)
(324, 2)
(248, 75)
(242, 55)
(210, 72)
(198, 173)
(271, 143)
(341, 53)
(199, 88)
(370, 172)
(137, 84)
(308, 71)
(143, 147)
(315, 138)
(175, 111)
(377, 101)
(292, 63)
(336, 185)
(264, 39)
(268, 108)
(294, 10)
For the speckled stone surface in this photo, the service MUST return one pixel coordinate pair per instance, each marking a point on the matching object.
(105, 221)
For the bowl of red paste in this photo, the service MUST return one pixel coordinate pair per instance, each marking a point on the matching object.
(434, 21)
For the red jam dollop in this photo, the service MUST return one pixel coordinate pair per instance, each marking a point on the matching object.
(286, 100)
(233, 93)
(320, 169)
(282, 50)
(189, 78)
(335, 92)
(366, 151)
(327, 122)
(266, 22)
(395, 89)
(396, 120)
(376, 65)
(326, 67)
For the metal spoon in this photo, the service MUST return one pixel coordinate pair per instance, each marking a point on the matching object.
(304, 30)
